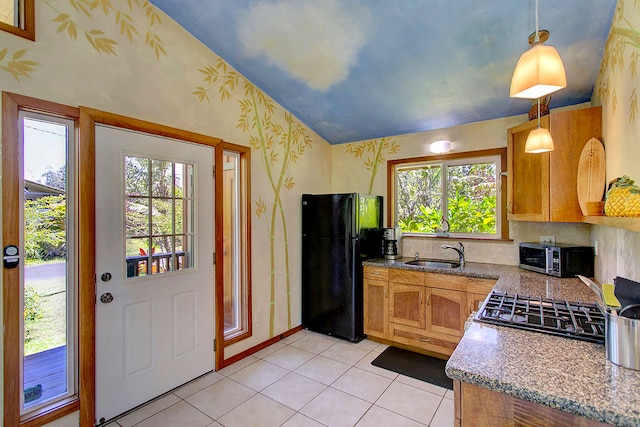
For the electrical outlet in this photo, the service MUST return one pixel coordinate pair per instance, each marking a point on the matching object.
(548, 240)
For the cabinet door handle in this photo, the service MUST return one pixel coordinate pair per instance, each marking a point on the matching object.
(385, 292)
(420, 298)
(425, 340)
(427, 299)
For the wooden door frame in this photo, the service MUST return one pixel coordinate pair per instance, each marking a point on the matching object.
(88, 119)
(245, 178)
(12, 104)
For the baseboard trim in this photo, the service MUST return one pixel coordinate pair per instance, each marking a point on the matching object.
(257, 348)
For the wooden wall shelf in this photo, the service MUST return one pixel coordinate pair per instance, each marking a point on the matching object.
(632, 224)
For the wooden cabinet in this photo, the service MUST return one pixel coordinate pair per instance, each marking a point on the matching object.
(480, 407)
(419, 309)
(376, 288)
(477, 291)
(542, 187)
(407, 305)
(447, 311)
(407, 298)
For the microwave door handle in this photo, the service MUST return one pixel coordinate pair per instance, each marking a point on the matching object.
(549, 261)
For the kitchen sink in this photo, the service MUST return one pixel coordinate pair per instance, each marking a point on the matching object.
(433, 263)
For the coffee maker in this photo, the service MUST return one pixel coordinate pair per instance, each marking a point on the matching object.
(391, 242)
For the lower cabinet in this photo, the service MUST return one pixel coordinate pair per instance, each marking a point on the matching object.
(376, 315)
(480, 407)
(419, 309)
(407, 305)
(477, 291)
(447, 311)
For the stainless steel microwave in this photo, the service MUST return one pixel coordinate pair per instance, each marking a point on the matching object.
(560, 260)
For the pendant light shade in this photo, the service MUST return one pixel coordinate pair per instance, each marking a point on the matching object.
(539, 141)
(539, 72)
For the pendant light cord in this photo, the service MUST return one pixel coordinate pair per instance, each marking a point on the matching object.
(537, 38)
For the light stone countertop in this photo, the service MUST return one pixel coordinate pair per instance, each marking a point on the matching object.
(571, 375)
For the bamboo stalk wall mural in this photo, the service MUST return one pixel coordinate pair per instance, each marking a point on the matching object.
(14, 65)
(376, 150)
(280, 144)
(122, 14)
(622, 45)
(68, 21)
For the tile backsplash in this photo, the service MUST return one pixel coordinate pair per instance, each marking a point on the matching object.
(498, 252)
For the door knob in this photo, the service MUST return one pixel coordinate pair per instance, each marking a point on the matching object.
(106, 298)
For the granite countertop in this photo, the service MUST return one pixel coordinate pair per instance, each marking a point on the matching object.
(571, 375)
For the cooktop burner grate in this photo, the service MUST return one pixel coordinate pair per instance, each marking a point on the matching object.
(578, 320)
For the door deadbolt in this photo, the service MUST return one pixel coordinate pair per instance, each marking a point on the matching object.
(106, 298)
(105, 277)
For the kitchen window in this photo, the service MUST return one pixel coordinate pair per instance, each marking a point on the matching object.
(453, 195)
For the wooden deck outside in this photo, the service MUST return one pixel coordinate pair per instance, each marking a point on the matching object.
(47, 368)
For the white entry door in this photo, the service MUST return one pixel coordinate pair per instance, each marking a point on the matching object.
(154, 265)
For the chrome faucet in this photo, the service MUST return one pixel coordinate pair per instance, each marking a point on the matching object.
(460, 252)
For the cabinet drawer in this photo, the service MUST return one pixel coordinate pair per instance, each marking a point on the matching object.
(406, 276)
(476, 285)
(446, 281)
(376, 273)
(419, 338)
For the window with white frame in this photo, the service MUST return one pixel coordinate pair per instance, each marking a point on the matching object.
(451, 195)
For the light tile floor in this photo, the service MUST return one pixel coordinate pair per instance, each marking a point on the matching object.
(307, 379)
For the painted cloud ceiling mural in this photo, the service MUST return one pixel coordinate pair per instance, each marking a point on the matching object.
(360, 69)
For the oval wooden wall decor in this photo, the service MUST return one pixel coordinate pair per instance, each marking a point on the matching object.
(591, 174)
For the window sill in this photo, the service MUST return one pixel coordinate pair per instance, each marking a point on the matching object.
(51, 413)
(454, 238)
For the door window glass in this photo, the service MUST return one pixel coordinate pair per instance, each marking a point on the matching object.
(159, 216)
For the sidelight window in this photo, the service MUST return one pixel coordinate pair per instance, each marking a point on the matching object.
(48, 283)
(235, 240)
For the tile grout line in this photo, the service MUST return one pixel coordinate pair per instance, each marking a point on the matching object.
(350, 365)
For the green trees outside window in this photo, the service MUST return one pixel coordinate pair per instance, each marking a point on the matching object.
(464, 193)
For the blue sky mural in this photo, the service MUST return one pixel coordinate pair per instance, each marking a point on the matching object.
(356, 69)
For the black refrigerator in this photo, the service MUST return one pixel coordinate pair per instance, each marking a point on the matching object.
(339, 231)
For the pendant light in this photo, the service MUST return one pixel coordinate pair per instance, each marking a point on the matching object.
(539, 139)
(539, 71)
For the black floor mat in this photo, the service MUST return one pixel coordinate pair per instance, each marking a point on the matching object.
(415, 365)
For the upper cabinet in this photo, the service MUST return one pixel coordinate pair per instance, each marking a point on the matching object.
(542, 187)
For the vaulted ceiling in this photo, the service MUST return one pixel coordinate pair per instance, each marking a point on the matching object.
(361, 69)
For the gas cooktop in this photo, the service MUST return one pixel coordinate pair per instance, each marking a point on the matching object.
(571, 319)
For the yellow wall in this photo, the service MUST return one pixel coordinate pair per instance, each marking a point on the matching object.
(157, 83)
(352, 169)
(616, 90)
